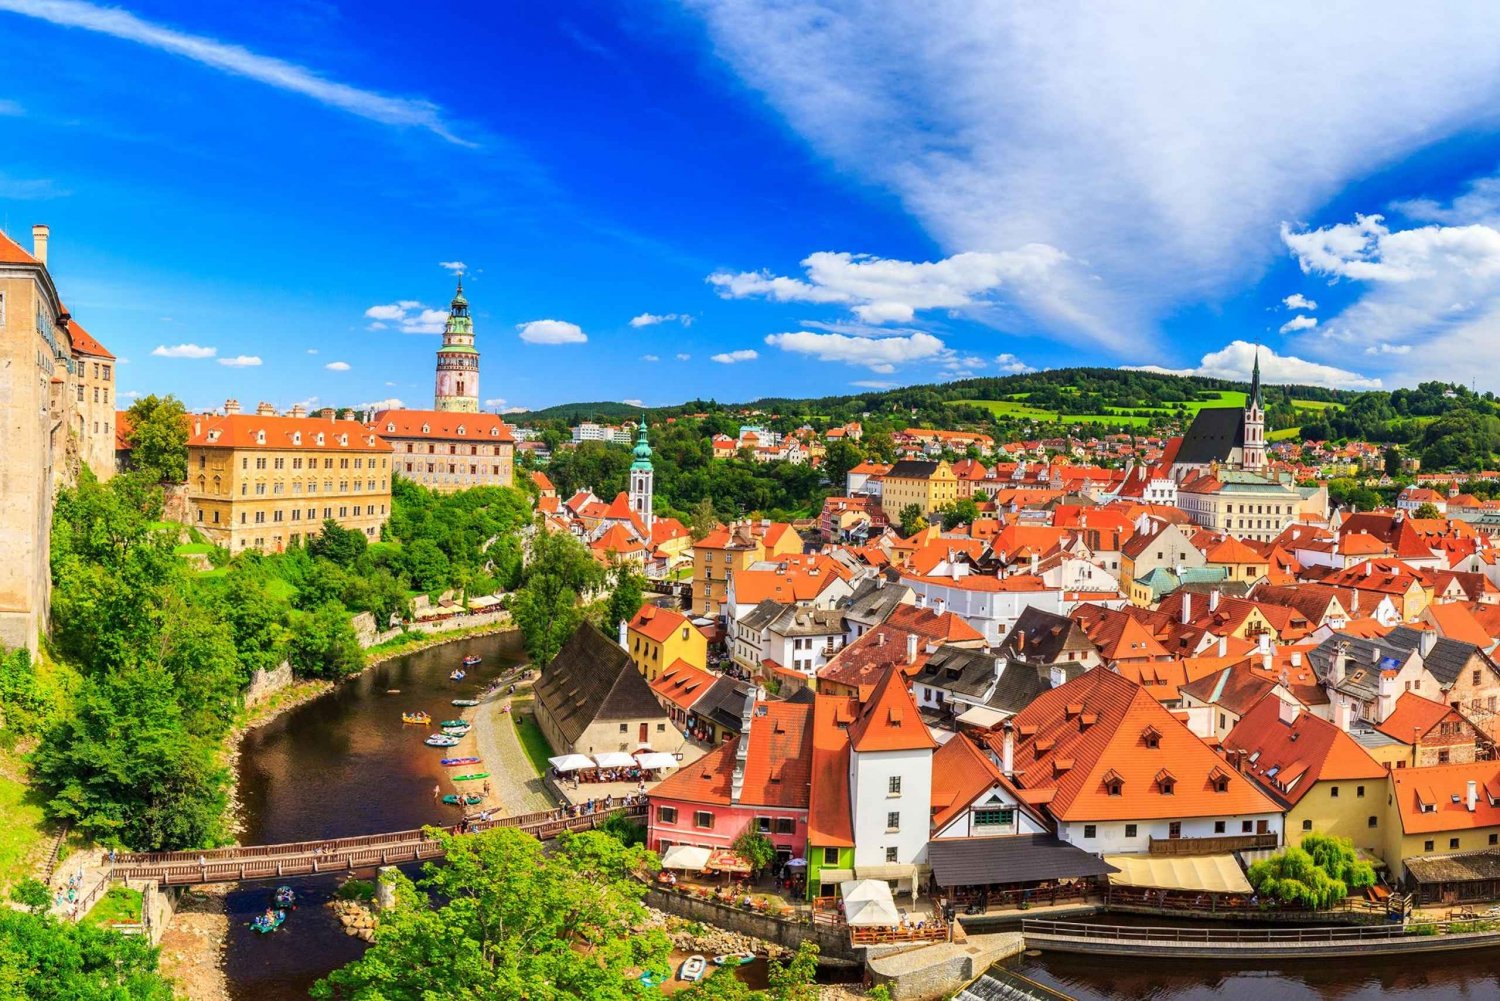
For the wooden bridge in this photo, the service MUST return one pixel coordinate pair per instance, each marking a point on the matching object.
(306, 858)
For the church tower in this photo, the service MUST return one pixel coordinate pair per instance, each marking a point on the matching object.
(1253, 455)
(642, 478)
(457, 386)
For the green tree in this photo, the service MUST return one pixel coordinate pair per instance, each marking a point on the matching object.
(158, 438)
(25, 707)
(343, 546)
(703, 520)
(32, 894)
(1427, 509)
(505, 919)
(43, 959)
(626, 597)
(427, 565)
(755, 848)
(961, 512)
(257, 619)
(912, 520)
(546, 605)
(323, 644)
(1295, 876)
(1337, 857)
(1391, 461)
(124, 768)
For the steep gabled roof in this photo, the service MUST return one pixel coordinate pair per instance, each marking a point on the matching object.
(658, 624)
(1413, 718)
(889, 721)
(592, 678)
(1293, 750)
(830, 822)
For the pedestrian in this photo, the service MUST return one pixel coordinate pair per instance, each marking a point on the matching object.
(437, 791)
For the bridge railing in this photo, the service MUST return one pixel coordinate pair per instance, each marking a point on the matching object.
(1136, 933)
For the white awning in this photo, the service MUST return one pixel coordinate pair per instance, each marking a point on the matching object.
(484, 601)
(614, 759)
(687, 857)
(571, 762)
(983, 717)
(1188, 873)
(899, 871)
(651, 760)
(868, 903)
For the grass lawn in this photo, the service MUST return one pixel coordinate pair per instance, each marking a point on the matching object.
(120, 905)
(23, 835)
(1136, 416)
(215, 572)
(193, 549)
(278, 588)
(1316, 405)
(1285, 434)
(533, 741)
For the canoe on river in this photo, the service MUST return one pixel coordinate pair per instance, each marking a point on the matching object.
(471, 778)
(471, 800)
(455, 762)
(466, 702)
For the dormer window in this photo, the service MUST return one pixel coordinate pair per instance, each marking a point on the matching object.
(1219, 779)
(1166, 782)
(296, 437)
(426, 428)
(1151, 737)
(1114, 783)
(390, 428)
(494, 432)
(320, 441)
(260, 437)
(460, 429)
(343, 439)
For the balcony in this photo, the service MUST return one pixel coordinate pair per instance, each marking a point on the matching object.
(1217, 845)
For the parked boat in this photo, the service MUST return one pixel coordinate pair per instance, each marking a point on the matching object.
(471, 778)
(285, 897)
(455, 722)
(734, 959)
(456, 731)
(457, 675)
(470, 800)
(264, 924)
(416, 718)
(693, 969)
(472, 659)
(441, 740)
(455, 762)
(466, 702)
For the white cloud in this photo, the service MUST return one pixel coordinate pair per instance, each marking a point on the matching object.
(1157, 146)
(1297, 323)
(387, 404)
(389, 383)
(633, 403)
(183, 351)
(872, 384)
(879, 354)
(239, 61)
(312, 351)
(1388, 349)
(1010, 363)
(457, 267)
(1235, 360)
(651, 319)
(683, 357)
(495, 403)
(131, 394)
(1299, 301)
(879, 290)
(734, 357)
(552, 332)
(337, 366)
(408, 315)
(241, 361)
(650, 358)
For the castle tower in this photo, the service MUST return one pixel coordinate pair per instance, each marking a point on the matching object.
(1253, 456)
(457, 386)
(642, 477)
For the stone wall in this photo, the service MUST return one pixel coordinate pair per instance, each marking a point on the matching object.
(175, 503)
(264, 683)
(833, 943)
(469, 621)
(939, 970)
(364, 628)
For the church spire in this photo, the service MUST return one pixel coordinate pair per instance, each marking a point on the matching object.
(1255, 396)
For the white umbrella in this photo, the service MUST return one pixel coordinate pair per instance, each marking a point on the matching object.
(570, 762)
(688, 857)
(614, 759)
(796, 863)
(651, 760)
(868, 903)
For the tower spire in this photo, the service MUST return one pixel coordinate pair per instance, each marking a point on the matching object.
(1255, 380)
(642, 477)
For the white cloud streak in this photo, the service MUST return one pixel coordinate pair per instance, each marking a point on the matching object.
(1299, 301)
(735, 357)
(1297, 323)
(241, 361)
(878, 354)
(183, 351)
(239, 61)
(456, 267)
(1235, 359)
(337, 366)
(408, 316)
(551, 332)
(651, 319)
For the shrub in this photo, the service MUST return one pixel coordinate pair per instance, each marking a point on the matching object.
(361, 890)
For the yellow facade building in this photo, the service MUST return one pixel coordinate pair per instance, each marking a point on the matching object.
(449, 451)
(656, 638)
(723, 551)
(929, 485)
(263, 481)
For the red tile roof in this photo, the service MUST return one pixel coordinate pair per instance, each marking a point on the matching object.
(682, 684)
(11, 252)
(441, 425)
(247, 430)
(777, 772)
(1436, 787)
(1294, 749)
(889, 721)
(84, 342)
(829, 819)
(657, 623)
(1413, 717)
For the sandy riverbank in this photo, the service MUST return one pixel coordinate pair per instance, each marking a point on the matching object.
(192, 948)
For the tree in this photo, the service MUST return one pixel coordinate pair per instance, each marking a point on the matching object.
(505, 919)
(257, 619)
(427, 565)
(343, 546)
(1391, 461)
(323, 644)
(1427, 509)
(43, 959)
(960, 512)
(703, 520)
(626, 598)
(32, 894)
(755, 848)
(1337, 857)
(1298, 876)
(158, 438)
(25, 707)
(546, 605)
(912, 520)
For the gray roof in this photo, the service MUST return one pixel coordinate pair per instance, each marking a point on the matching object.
(916, 469)
(723, 703)
(1212, 436)
(874, 599)
(797, 621)
(762, 615)
(1047, 636)
(1022, 858)
(1447, 659)
(1021, 683)
(590, 679)
(961, 670)
(1366, 659)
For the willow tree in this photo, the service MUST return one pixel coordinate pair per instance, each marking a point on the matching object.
(1318, 874)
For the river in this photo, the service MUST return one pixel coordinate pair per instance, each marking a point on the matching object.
(340, 765)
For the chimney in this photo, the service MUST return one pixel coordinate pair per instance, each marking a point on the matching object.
(1056, 676)
(742, 752)
(231, 406)
(1213, 600)
(1287, 712)
(1008, 750)
(1341, 714)
(1187, 608)
(298, 410)
(1427, 638)
(624, 630)
(264, 409)
(911, 648)
(1340, 661)
(1471, 798)
(1033, 564)
(197, 427)
(39, 234)
(1223, 646)
(880, 639)
(942, 605)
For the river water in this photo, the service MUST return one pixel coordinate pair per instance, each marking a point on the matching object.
(342, 765)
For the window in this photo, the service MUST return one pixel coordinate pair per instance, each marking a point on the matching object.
(1218, 827)
(624, 727)
(1307, 825)
(830, 856)
(1372, 822)
(1333, 792)
(666, 814)
(1130, 830)
(1427, 846)
(1495, 839)
(893, 821)
(1174, 829)
(703, 820)
(1443, 756)
(1452, 843)
(893, 788)
(763, 825)
(786, 825)
(1089, 830)
(994, 817)
(1475, 680)
(890, 855)
(1245, 827)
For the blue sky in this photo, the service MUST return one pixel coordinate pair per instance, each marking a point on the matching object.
(788, 198)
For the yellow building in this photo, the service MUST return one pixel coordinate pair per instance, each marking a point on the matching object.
(723, 551)
(94, 412)
(448, 451)
(929, 485)
(262, 481)
(1441, 810)
(656, 638)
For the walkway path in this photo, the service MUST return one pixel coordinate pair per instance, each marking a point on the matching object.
(514, 783)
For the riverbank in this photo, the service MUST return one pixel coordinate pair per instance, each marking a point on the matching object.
(192, 947)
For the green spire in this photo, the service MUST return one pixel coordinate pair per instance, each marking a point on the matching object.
(642, 451)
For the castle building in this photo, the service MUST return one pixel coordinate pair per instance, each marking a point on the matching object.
(642, 478)
(449, 451)
(265, 481)
(1232, 437)
(48, 375)
(457, 387)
